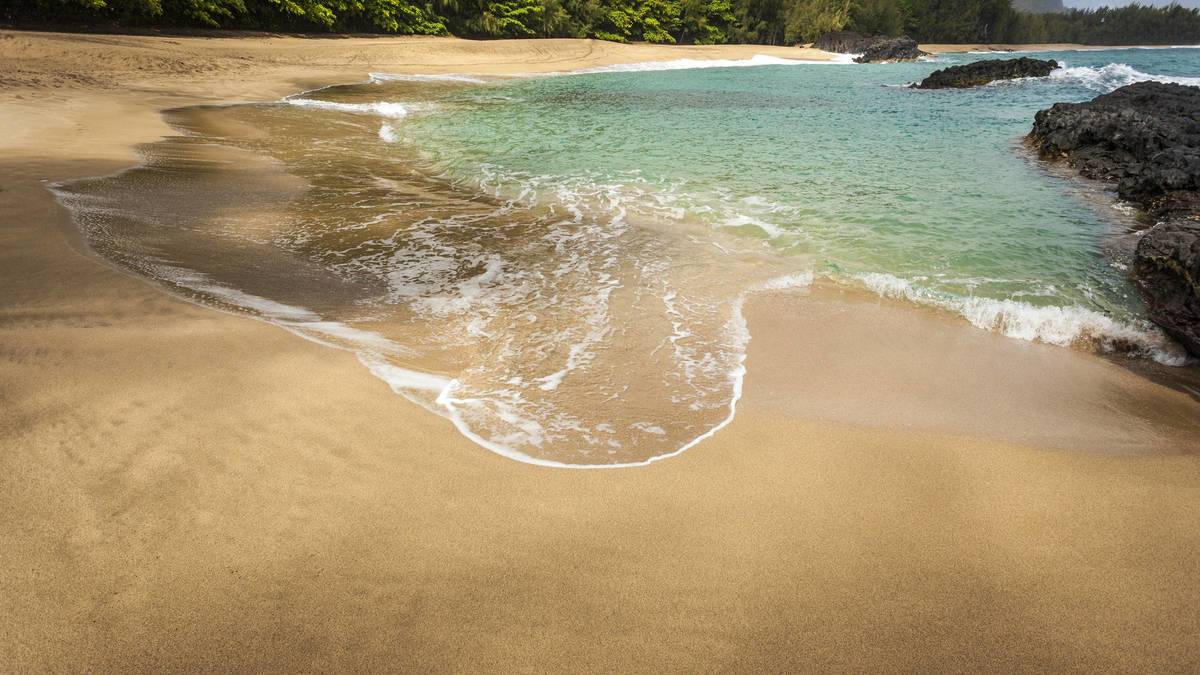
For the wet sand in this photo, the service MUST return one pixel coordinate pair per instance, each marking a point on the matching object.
(188, 489)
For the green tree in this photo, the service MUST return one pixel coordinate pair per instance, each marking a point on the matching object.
(806, 20)
(878, 17)
(668, 21)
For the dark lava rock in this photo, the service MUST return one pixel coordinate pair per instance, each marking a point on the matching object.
(842, 42)
(890, 49)
(872, 49)
(982, 72)
(1145, 137)
(1166, 270)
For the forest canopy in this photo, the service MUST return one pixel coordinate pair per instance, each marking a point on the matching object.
(663, 21)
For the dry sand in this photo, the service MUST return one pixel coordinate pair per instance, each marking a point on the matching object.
(186, 489)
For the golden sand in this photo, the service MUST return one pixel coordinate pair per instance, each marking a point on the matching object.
(187, 489)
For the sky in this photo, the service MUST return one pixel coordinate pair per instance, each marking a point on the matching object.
(1118, 3)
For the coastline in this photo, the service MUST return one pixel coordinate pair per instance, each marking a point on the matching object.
(184, 482)
(1041, 47)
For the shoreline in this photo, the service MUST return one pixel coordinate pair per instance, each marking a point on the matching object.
(183, 483)
(1016, 48)
(867, 293)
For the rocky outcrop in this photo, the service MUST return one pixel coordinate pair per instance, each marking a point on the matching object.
(982, 72)
(1145, 137)
(890, 49)
(842, 42)
(871, 49)
(1166, 270)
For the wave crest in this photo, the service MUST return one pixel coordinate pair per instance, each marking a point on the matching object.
(692, 64)
(1113, 76)
(395, 77)
(378, 108)
(1071, 326)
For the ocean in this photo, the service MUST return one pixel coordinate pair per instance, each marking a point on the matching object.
(557, 264)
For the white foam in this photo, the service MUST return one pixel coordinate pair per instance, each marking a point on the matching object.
(411, 384)
(577, 356)
(742, 220)
(787, 281)
(341, 333)
(693, 64)
(1061, 326)
(404, 381)
(432, 392)
(203, 284)
(438, 286)
(1017, 51)
(468, 288)
(298, 320)
(1113, 76)
(452, 399)
(396, 77)
(378, 108)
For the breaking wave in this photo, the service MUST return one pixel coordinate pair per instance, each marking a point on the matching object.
(378, 108)
(1113, 76)
(637, 67)
(592, 320)
(1055, 325)
(691, 64)
(395, 77)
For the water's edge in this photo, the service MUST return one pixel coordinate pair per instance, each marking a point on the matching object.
(307, 325)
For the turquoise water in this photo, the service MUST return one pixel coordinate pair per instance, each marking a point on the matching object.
(558, 265)
(924, 195)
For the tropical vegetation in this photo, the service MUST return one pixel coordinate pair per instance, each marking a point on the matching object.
(664, 21)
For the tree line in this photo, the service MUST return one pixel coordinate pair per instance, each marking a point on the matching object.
(663, 21)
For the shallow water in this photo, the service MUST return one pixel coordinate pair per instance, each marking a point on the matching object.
(558, 264)
(922, 195)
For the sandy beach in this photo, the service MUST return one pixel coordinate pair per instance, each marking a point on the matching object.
(186, 489)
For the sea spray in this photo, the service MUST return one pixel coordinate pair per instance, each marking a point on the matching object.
(1112, 76)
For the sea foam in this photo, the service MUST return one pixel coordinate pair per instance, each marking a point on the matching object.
(299, 320)
(642, 66)
(1055, 325)
(546, 375)
(1112, 76)
(395, 77)
(410, 383)
(377, 108)
(692, 64)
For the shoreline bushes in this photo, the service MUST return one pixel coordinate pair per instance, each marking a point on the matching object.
(662, 21)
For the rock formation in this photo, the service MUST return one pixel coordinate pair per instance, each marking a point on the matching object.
(890, 49)
(1145, 137)
(871, 49)
(981, 72)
